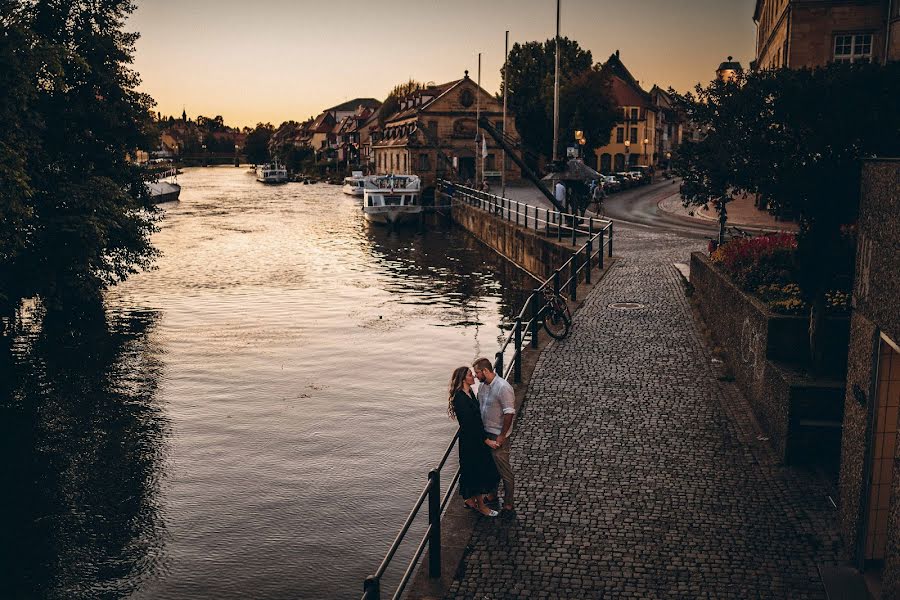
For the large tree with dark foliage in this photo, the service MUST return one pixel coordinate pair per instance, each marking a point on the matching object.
(256, 145)
(74, 212)
(585, 100)
(797, 137)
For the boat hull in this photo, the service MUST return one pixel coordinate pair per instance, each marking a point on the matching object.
(163, 191)
(392, 215)
(356, 192)
(274, 179)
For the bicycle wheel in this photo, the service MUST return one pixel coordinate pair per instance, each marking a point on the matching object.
(556, 323)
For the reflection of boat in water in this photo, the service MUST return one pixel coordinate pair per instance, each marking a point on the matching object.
(165, 188)
(272, 173)
(355, 184)
(391, 199)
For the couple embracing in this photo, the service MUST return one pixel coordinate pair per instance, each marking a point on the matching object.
(485, 421)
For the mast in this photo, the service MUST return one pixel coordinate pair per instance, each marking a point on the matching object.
(556, 90)
(505, 81)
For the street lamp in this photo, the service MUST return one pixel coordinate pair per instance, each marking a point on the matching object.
(646, 141)
(205, 161)
(627, 152)
(237, 160)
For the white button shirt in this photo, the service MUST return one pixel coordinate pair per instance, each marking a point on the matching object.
(496, 399)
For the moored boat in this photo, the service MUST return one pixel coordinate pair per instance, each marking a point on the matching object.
(165, 188)
(355, 184)
(391, 199)
(272, 173)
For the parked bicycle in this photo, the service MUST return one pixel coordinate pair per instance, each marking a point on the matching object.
(557, 318)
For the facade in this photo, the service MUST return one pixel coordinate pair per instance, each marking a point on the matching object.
(870, 452)
(432, 135)
(669, 127)
(633, 140)
(811, 33)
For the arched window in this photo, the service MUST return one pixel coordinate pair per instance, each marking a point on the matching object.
(620, 162)
(605, 162)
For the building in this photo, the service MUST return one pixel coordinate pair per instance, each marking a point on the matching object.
(669, 127)
(870, 452)
(811, 33)
(729, 70)
(634, 138)
(432, 134)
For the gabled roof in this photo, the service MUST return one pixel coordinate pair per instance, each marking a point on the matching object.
(352, 105)
(324, 123)
(435, 92)
(626, 89)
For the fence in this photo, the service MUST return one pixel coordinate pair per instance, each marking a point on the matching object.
(599, 240)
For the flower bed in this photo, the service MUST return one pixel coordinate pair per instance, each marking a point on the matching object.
(766, 267)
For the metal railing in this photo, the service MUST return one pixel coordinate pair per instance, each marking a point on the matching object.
(598, 241)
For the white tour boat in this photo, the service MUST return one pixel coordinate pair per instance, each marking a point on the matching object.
(355, 184)
(165, 188)
(272, 173)
(391, 199)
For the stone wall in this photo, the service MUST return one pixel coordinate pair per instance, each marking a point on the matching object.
(800, 414)
(537, 254)
(875, 304)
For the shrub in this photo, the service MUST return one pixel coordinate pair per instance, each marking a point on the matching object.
(757, 261)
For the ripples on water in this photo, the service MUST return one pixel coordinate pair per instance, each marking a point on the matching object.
(255, 417)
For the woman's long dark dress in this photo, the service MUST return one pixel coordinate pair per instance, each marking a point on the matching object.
(478, 473)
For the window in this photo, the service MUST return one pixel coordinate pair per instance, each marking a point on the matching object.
(853, 48)
(490, 163)
(620, 135)
(632, 135)
(635, 114)
(424, 163)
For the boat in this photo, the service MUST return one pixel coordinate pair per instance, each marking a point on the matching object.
(355, 184)
(391, 199)
(272, 173)
(165, 187)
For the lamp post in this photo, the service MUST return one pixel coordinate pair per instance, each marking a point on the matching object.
(237, 160)
(205, 160)
(669, 162)
(646, 141)
(627, 154)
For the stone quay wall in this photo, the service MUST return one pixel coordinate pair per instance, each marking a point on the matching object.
(801, 415)
(527, 248)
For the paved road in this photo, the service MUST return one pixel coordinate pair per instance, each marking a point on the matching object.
(640, 475)
(638, 206)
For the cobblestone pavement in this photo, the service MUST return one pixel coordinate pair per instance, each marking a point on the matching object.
(639, 474)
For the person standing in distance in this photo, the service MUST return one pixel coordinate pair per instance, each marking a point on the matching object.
(498, 408)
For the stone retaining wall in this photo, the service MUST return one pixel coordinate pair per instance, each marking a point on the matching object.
(801, 414)
(538, 254)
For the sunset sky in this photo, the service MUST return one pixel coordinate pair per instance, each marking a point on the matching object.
(273, 60)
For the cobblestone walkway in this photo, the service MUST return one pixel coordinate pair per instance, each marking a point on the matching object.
(639, 474)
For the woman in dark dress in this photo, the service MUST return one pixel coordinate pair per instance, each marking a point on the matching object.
(477, 472)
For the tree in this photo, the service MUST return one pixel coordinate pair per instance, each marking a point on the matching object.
(585, 100)
(256, 145)
(797, 137)
(392, 103)
(79, 209)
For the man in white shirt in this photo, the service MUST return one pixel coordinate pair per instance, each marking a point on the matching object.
(498, 408)
(560, 192)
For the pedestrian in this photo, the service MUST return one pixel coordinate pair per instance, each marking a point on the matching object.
(477, 469)
(498, 408)
(560, 192)
(598, 195)
(485, 186)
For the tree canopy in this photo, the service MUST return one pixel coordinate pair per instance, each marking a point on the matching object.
(586, 102)
(75, 212)
(256, 145)
(797, 137)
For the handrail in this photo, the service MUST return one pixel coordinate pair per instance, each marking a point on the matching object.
(525, 325)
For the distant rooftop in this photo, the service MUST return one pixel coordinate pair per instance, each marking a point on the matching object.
(352, 105)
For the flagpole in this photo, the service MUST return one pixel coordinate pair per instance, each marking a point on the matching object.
(505, 81)
(556, 90)
(478, 128)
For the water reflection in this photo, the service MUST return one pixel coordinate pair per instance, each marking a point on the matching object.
(84, 442)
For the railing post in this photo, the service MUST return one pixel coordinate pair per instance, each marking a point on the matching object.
(610, 238)
(573, 230)
(526, 216)
(498, 363)
(534, 318)
(558, 219)
(517, 357)
(556, 282)
(600, 253)
(372, 588)
(587, 264)
(517, 213)
(434, 520)
(573, 285)
(547, 220)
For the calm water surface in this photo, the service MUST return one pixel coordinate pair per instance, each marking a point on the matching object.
(255, 417)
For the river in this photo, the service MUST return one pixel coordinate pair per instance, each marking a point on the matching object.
(254, 417)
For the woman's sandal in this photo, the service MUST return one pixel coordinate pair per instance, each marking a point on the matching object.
(492, 513)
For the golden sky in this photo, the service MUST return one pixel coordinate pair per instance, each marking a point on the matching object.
(274, 60)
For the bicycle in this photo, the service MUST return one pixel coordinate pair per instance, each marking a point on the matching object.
(557, 318)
